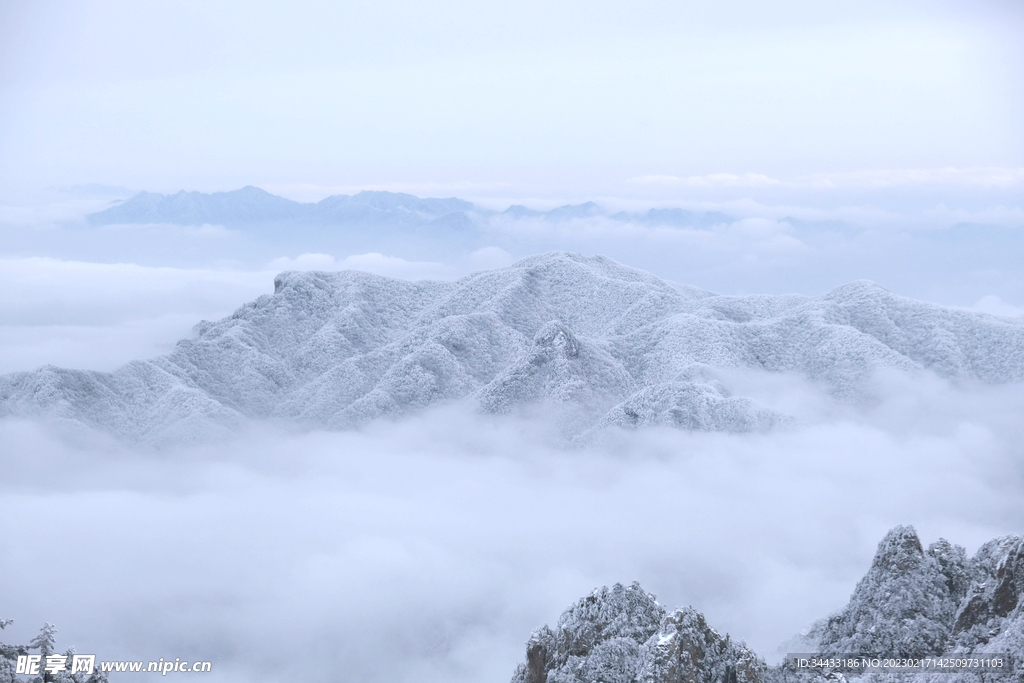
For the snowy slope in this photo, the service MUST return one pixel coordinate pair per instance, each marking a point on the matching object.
(607, 344)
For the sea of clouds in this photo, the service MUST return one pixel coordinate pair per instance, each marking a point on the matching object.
(428, 549)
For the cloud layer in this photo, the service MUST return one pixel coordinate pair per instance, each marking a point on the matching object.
(428, 549)
(98, 316)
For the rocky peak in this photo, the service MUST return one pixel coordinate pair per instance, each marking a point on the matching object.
(899, 552)
(606, 628)
(905, 605)
(622, 635)
(687, 650)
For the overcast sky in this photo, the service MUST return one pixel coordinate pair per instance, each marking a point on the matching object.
(501, 98)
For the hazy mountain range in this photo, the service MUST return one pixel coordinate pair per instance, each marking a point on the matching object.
(912, 603)
(594, 342)
(251, 205)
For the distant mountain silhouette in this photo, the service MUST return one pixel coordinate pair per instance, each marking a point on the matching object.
(253, 206)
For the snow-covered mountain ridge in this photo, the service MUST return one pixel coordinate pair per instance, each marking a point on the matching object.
(913, 602)
(603, 343)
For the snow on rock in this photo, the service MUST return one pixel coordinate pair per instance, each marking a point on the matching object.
(583, 379)
(601, 343)
(916, 602)
(687, 650)
(913, 602)
(906, 603)
(622, 635)
(991, 616)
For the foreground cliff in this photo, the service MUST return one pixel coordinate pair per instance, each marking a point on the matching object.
(913, 602)
(597, 343)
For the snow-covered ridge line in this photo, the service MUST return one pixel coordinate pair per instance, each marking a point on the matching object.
(598, 342)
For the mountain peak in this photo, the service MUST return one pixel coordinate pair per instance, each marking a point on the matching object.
(622, 635)
(899, 551)
(906, 603)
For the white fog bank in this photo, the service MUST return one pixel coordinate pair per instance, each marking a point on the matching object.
(428, 549)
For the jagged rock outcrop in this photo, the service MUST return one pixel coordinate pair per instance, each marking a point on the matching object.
(687, 650)
(594, 341)
(994, 599)
(622, 635)
(906, 604)
(913, 602)
(917, 602)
